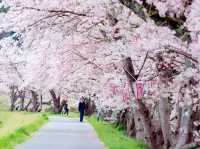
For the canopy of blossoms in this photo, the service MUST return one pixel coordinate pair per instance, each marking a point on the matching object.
(78, 48)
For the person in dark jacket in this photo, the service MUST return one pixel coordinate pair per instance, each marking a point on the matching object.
(81, 108)
(65, 109)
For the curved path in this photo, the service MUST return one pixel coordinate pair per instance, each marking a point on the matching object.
(62, 133)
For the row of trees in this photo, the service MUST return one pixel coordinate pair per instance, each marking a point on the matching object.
(33, 101)
(105, 47)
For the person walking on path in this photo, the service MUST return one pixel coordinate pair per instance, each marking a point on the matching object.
(65, 109)
(81, 108)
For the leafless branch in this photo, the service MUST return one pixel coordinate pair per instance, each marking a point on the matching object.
(151, 78)
(129, 73)
(143, 64)
(85, 58)
(42, 19)
(185, 54)
(56, 11)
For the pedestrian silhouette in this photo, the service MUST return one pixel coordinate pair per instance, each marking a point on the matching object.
(81, 108)
(65, 109)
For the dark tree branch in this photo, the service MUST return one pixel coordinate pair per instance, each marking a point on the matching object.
(56, 11)
(176, 23)
(152, 78)
(44, 18)
(185, 54)
(129, 70)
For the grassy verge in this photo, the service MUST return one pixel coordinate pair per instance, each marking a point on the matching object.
(4, 102)
(17, 127)
(73, 115)
(114, 138)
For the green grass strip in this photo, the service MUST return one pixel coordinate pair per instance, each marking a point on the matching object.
(22, 134)
(114, 138)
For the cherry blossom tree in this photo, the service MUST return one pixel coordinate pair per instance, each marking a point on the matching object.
(105, 48)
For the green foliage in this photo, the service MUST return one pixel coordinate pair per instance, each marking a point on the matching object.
(4, 9)
(136, 7)
(113, 137)
(23, 133)
(7, 34)
(119, 127)
(188, 64)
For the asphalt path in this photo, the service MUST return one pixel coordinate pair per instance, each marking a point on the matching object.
(62, 133)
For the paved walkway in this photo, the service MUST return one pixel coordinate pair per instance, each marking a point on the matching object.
(62, 133)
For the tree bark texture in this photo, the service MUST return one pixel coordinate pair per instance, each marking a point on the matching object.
(13, 96)
(35, 102)
(56, 101)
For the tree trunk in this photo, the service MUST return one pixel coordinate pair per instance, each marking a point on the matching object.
(35, 103)
(145, 130)
(41, 102)
(185, 127)
(89, 107)
(27, 106)
(130, 125)
(142, 120)
(148, 127)
(22, 97)
(130, 74)
(165, 118)
(13, 96)
(56, 102)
